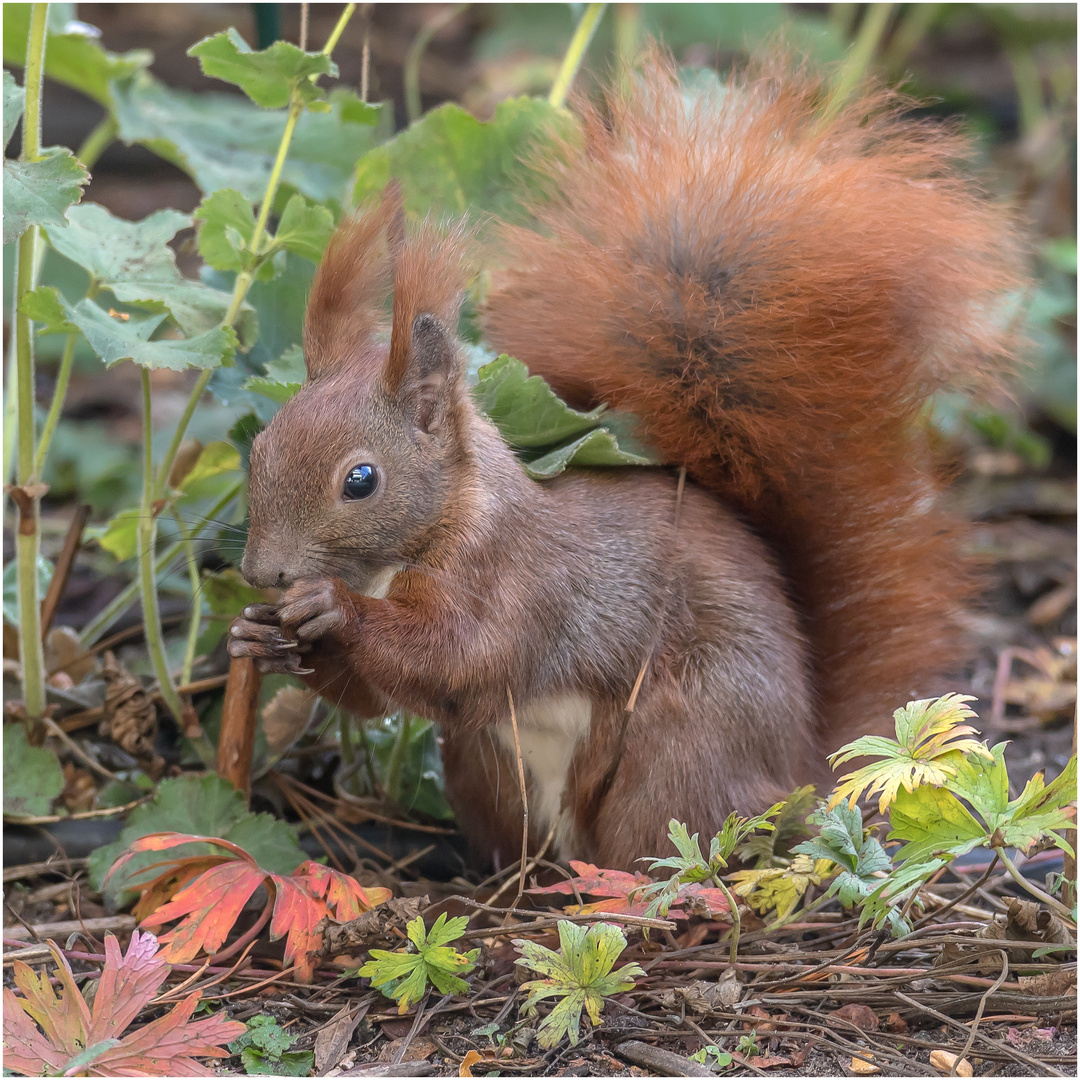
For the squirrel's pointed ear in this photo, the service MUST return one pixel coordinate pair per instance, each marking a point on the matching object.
(346, 305)
(429, 373)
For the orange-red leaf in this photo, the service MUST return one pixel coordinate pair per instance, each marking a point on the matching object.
(296, 914)
(212, 904)
(163, 841)
(165, 886)
(594, 881)
(344, 895)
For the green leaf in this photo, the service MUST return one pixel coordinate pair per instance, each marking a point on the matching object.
(267, 77)
(532, 418)
(38, 192)
(32, 775)
(223, 141)
(283, 377)
(859, 855)
(228, 223)
(120, 537)
(204, 806)
(11, 586)
(404, 976)
(72, 56)
(934, 822)
(527, 412)
(264, 1050)
(14, 100)
(930, 744)
(304, 228)
(451, 164)
(126, 337)
(580, 974)
(133, 260)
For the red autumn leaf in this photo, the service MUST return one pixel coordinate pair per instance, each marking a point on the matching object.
(179, 873)
(207, 893)
(702, 900)
(344, 895)
(69, 1030)
(296, 914)
(618, 886)
(593, 881)
(212, 904)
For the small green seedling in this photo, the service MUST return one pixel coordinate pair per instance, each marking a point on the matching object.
(579, 974)
(712, 1057)
(264, 1050)
(404, 975)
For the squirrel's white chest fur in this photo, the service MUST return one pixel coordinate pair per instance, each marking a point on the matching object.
(549, 731)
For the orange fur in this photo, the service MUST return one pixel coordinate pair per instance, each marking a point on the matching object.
(777, 298)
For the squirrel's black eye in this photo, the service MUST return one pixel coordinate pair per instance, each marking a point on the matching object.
(361, 482)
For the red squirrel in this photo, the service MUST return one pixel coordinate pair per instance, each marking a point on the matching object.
(776, 293)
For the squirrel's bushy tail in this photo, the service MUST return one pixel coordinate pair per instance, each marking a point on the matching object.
(777, 296)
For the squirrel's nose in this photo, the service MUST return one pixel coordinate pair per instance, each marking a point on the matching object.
(263, 573)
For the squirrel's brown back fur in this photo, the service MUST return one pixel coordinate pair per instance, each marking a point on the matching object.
(776, 297)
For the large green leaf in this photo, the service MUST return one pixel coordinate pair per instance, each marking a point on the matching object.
(134, 261)
(452, 164)
(267, 77)
(222, 141)
(14, 100)
(118, 336)
(549, 435)
(72, 57)
(527, 412)
(32, 775)
(38, 192)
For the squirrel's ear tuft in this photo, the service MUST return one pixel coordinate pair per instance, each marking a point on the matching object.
(423, 362)
(346, 306)
(430, 373)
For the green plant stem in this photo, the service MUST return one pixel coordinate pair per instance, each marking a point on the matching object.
(397, 760)
(28, 535)
(862, 52)
(1059, 908)
(97, 141)
(187, 541)
(736, 919)
(410, 70)
(63, 377)
(147, 534)
(914, 23)
(120, 603)
(575, 54)
(339, 29)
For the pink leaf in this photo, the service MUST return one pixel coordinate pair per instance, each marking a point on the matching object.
(127, 984)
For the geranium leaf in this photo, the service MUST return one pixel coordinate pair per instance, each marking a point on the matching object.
(39, 192)
(450, 163)
(73, 56)
(117, 336)
(267, 77)
(32, 775)
(304, 228)
(579, 974)
(228, 223)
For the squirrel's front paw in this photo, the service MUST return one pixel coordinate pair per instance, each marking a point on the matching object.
(257, 633)
(320, 609)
